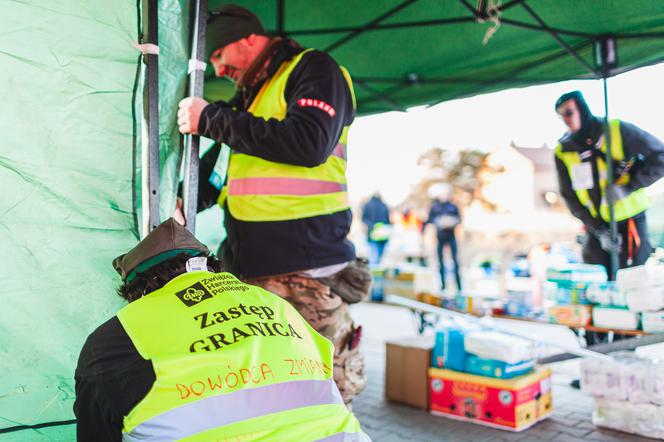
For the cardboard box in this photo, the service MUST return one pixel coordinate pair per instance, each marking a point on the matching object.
(513, 404)
(574, 315)
(406, 365)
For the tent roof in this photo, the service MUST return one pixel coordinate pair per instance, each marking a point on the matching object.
(414, 52)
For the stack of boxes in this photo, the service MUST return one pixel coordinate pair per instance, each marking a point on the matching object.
(628, 393)
(478, 375)
(488, 378)
(642, 288)
(610, 307)
(580, 294)
(566, 293)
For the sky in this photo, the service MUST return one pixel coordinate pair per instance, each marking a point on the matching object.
(383, 149)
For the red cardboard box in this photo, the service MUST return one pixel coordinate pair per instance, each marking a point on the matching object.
(509, 404)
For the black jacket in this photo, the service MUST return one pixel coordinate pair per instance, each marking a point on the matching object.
(306, 137)
(111, 379)
(373, 212)
(635, 141)
(439, 209)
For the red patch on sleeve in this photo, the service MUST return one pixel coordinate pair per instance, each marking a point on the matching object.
(320, 104)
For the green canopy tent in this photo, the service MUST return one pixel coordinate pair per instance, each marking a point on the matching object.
(415, 52)
(85, 114)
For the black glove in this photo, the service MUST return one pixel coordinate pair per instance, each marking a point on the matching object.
(604, 238)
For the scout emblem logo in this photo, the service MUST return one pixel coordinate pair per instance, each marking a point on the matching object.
(193, 295)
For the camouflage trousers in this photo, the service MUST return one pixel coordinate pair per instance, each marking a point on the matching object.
(328, 315)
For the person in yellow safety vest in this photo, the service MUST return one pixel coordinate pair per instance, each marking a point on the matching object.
(198, 355)
(638, 161)
(283, 186)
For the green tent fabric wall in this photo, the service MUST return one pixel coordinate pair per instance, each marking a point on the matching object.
(66, 168)
(66, 206)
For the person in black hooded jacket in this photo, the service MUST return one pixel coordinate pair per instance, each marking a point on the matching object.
(638, 161)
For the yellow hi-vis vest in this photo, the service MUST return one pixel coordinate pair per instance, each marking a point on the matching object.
(261, 190)
(625, 208)
(233, 362)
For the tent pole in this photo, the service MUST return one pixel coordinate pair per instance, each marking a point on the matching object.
(151, 132)
(381, 95)
(380, 27)
(281, 17)
(373, 22)
(556, 37)
(192, 142)
(606, 59)
(613, 226)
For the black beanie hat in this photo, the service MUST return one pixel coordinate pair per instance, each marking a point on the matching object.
(228, 24)
(581, 104)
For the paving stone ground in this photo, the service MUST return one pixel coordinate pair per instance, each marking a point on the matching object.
(386, 422)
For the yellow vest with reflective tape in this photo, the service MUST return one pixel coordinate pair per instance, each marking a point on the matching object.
(261, 190)
(625, 208)
(232, 362)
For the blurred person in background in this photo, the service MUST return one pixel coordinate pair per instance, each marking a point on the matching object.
(445, 216)
(376, 218)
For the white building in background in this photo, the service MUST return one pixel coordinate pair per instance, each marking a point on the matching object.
(545, 182)
(521, 186)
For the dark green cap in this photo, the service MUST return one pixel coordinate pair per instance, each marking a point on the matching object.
(167, 240)
(228, 24)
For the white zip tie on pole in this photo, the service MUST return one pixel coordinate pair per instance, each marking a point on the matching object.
(147, 48)
(196, 65)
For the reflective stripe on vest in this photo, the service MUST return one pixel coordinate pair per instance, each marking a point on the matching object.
(625, 208)
(283, 186)
(261, 190)
(241, 405)
(231, 362)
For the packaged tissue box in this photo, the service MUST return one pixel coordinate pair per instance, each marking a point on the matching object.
(574, 315)
(448, 350)
(577, 273)
(499, 346)
(605, 293)
(642, 419)
(653, 322)
(643, 286)
(627, 377)
(602, 378)
(497, 369)
(615, 317)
